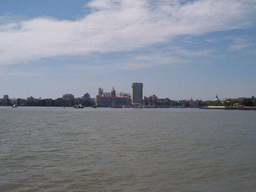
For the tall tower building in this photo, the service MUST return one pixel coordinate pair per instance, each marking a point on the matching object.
(100, 92)
(137, 92)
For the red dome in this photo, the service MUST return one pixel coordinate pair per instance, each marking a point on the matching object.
(113, 90)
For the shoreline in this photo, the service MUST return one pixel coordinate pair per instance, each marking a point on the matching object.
(230, 108)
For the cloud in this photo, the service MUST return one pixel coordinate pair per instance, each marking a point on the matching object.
(125, 62)
(189, 53)
(103, 4)
(4, 73)
(120, 25)
(239, 44)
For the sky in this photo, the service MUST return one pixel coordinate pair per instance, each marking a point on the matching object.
(178, 49)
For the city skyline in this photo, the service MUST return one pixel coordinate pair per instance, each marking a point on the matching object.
(177, 49)
(119, 94)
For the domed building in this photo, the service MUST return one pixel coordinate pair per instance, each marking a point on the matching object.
(113, 92)
(111, 100)
(217, 98)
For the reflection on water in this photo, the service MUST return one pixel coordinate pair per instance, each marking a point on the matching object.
(67, 149)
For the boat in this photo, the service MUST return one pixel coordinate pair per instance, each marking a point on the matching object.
(14, 106)
(78, 106)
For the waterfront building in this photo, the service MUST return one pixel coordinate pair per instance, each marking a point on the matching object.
(68, 96)
(6, 97)
(86, 96)
(123, 94)
(107, 94)
(154, 101)
(5, 100)
(194, 104)
(149, 101)
(111, 100)
(100, 91)
(137, 93)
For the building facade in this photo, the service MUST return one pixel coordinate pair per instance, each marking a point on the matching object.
(111, 100)
(154, 101)
(68, 96)
(137, 93)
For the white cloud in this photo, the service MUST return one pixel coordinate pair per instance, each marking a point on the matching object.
(103, 4)
(4, 73)
(120, 25)
(189, 53)
(130, 62)
(239, 44)
(210, 40)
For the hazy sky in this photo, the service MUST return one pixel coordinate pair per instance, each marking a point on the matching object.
(177, 48)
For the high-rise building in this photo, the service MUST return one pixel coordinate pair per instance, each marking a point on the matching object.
(137, 92)
(100, 92)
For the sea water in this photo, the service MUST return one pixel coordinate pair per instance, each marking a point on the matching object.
(106, 149)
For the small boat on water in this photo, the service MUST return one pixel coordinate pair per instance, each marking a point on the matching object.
(78, 106)
(14, 106)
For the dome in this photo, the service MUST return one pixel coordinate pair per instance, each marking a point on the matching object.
(113, 90)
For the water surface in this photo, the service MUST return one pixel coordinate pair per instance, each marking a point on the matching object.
(102, 149)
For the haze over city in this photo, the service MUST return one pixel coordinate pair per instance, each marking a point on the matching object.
(178, 49)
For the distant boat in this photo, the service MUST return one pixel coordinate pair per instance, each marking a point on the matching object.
(78, 106)
(14, 106)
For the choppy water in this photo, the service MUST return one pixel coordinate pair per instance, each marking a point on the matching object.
(67, 149)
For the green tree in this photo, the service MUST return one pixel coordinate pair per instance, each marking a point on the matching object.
(253, 101)
(217, 103)
(247, 102)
